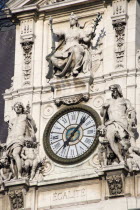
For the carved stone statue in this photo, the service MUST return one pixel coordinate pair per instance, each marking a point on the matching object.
(6, 173)
(102, 148)
(105, 154)
(118, 122)
(73, 54)
(31, 158)
(19, 157)
(21, 128)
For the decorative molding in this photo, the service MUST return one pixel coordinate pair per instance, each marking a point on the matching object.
(48, 5)
(48, 111)
(27, 27)
(94, 161)
(98, 102)
(47, 167)
(72, 100)
(115, 184)
(49, 2)
(119, 7)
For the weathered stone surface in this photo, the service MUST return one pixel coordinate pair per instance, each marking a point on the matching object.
(115, 60)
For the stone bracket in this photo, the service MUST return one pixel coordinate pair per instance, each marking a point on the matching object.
(115, 184)
(71, 91)
(16, 191)
(115, 180)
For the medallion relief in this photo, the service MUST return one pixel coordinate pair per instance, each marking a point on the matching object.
(48, 111)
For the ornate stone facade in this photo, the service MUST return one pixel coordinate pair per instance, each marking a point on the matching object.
(77, 157)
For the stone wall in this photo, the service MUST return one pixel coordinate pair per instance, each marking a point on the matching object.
(115, 60)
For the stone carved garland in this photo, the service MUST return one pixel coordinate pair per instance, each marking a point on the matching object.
(27, 49)
(120, 43)
(119, 20)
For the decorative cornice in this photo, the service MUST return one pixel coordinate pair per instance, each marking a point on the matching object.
(38, 7)
(72, 100)
(45, 89)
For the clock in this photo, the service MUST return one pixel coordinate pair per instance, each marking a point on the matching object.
(71, 134)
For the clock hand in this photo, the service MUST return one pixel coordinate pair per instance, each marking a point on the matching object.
(66, 143)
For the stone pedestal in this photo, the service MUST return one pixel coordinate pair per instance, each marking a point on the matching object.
(71, 90)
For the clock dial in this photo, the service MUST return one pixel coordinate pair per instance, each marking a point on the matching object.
(70, 135)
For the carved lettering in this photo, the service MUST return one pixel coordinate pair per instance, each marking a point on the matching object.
(69, 194)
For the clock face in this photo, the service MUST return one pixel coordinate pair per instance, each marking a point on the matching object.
(70, 135)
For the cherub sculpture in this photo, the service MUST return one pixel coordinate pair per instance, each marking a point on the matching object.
(6, 173)
(73, 54)
(102, 148)
(31, 158)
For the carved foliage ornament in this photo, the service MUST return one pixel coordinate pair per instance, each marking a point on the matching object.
(27, 53)
(119, 19)
(16, 199)
(115, 184)
(120, 43)
(71, 100)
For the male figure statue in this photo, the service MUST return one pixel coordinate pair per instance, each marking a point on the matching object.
(118, 114)
(21, 128)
